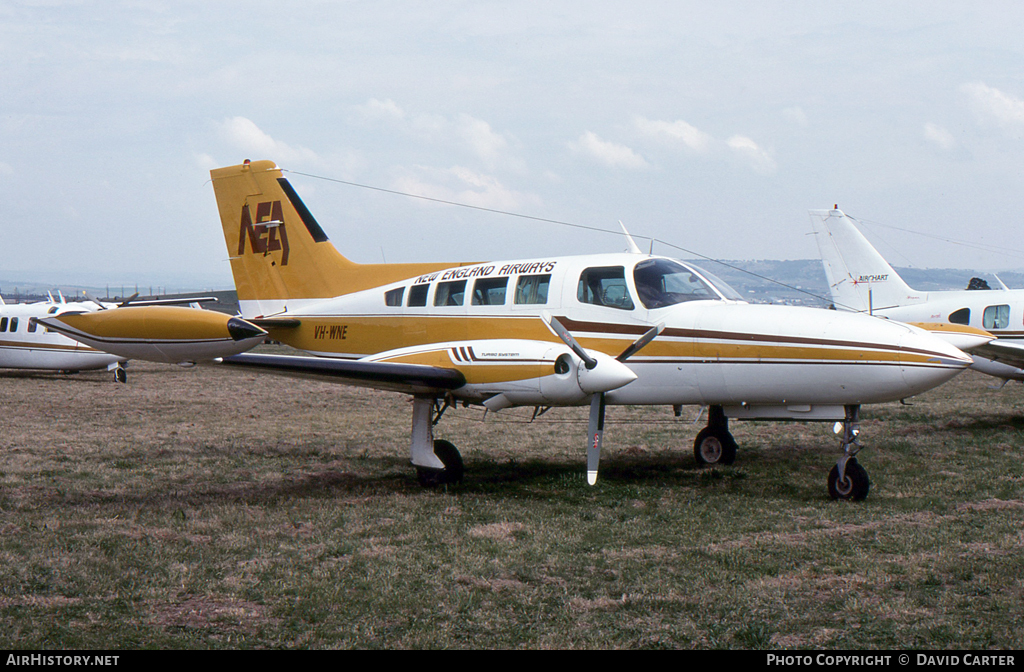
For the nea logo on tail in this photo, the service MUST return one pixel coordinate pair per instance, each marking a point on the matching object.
(267, 234)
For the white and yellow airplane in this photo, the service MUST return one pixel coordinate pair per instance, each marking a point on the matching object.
(26, 345)
(603, 329)
(861, 280)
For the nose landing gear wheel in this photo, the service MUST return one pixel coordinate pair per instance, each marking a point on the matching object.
(855, 484)
(714, 446)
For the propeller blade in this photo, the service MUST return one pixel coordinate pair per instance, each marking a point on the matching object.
(93, 299)
(567, 338)
(128, 300)
(596, 435)
(641, 342)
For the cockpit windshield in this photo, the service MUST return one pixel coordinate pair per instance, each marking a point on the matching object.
(726, 290)
(663, 282)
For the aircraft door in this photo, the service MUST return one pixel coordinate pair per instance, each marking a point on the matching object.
(708, 369)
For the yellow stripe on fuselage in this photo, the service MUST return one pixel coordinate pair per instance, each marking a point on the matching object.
(29, 345)
(359, 336)
(480, 372)
(369, 334)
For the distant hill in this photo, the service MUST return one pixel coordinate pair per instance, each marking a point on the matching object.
(803, 282)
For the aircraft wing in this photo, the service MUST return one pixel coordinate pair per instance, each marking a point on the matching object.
(1001, 350)
(408, 378)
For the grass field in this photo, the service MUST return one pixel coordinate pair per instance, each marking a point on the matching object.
(204, 508)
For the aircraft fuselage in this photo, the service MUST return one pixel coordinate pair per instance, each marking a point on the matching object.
(486, 320)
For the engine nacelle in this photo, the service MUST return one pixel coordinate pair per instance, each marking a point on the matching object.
(518, 372)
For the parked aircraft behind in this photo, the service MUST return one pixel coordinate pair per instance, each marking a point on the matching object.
(861, 280)
(160, 333)
(25, 345)
(92, 334)
(593, 330)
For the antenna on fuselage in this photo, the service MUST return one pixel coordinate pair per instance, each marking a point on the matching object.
(633, 249)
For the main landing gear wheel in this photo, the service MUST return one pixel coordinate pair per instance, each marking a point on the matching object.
(714, 446)
(120, 375)
(453, 468)
(854, 485)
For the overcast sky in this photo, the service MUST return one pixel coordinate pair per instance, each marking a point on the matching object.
(710, 126)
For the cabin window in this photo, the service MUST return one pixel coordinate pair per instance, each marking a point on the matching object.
(14, 324)
(996, 317)
(489, 291)
(962, 316)
(394, 297)
(32, 325)
(663, 282)
(532, 289)
(51, 311)
(450, 293)
(418, 295)
(3, 324)
(604, 287)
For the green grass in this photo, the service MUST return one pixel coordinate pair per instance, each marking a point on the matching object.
(204, 508)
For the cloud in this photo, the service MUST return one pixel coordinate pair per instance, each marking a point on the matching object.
(465, 131)
(462, 185)
(796, 115)
(610, 154)
(481, 140)
(676, 131)
(939, 136)
(993, 105)
(758, 158)
(380, 109)
(248, 137)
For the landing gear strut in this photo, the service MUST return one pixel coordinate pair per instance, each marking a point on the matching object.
(437, 462)
(847, 479)
(714, 444)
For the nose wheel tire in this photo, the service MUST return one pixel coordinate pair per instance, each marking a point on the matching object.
(453, 467)
(714, 446)
(855, 484)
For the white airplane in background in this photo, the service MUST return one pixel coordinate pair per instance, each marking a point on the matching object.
(44, 335)
(25, 345)
(861, 280)
(595, 330)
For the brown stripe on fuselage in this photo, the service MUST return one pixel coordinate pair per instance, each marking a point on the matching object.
(371, 334)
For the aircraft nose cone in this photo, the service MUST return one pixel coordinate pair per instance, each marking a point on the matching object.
(609, 374)
(241, 330)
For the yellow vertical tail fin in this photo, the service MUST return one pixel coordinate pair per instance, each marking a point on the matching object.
(277, 249)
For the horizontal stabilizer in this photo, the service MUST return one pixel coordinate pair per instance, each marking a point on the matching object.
(179, 301)
(275, 322)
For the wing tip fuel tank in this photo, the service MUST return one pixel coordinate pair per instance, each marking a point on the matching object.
(165, 334)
